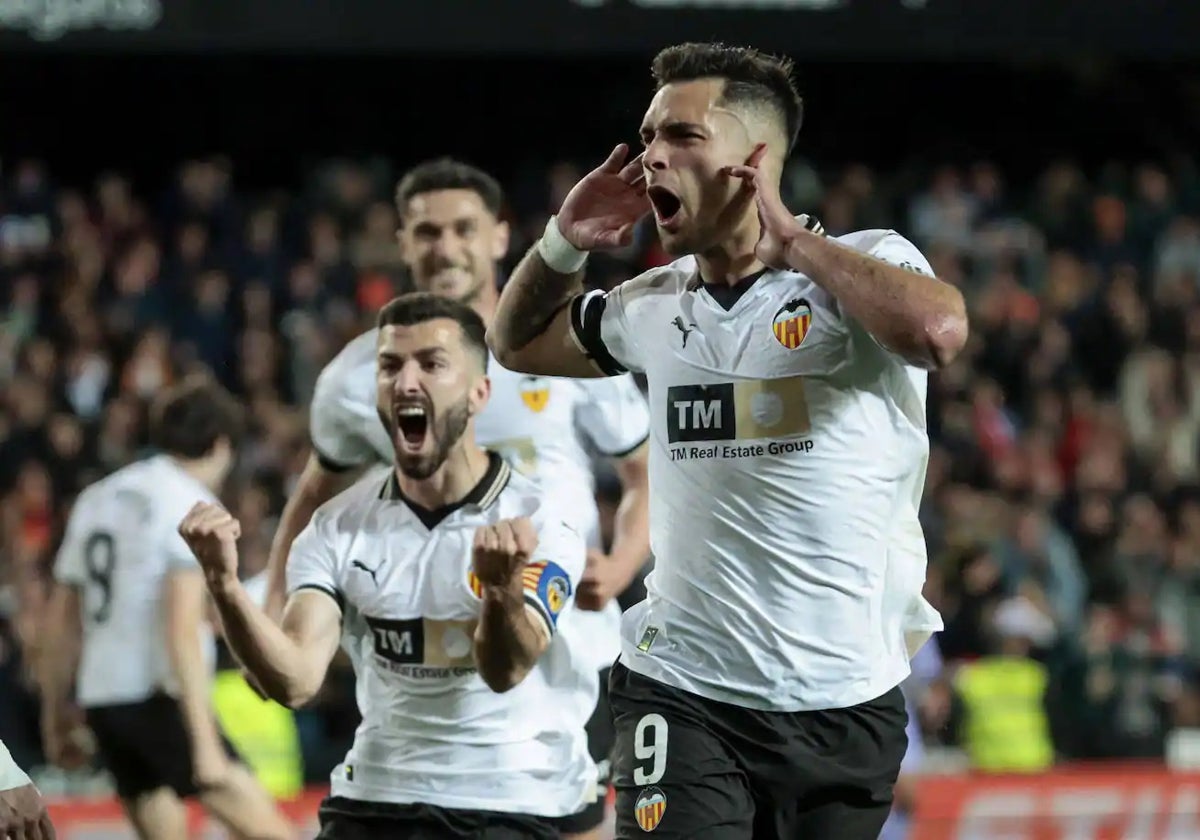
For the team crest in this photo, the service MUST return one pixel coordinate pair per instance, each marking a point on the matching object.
(476, 586)
(650, 807)
(557, 590)
(792, 322)
(535, 393)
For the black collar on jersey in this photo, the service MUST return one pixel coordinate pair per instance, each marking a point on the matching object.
(727, 295)
(483, 495)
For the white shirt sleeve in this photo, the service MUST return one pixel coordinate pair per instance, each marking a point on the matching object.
(11, 775)
(601, 329)
(894, 249)
(334, 424)
(312, 561)
(613, 415)
(69, 564)
(552, 576)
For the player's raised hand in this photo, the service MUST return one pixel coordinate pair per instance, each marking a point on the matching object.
(212, 533)
(502, 550)
(603, 208)
(779, 226)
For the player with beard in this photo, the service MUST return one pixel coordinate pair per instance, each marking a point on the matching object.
(757, 693)
(451, 238)
(444, 579)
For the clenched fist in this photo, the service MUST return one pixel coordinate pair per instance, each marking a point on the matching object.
(212, 533)
(502, 550)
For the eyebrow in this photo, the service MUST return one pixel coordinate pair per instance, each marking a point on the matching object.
(676, 128)
(426, 224)
(422, 352)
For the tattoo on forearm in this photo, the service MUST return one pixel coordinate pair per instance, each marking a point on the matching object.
(533, 297)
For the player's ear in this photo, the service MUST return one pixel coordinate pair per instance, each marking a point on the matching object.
(402, 242)
(501, 235)
(481, 392)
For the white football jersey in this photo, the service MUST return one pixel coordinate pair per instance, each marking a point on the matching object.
(544, 426)
(432, 731)
(787, 466)
(120, 545)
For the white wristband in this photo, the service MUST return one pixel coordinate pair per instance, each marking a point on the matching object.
(11, 776)
(557, 253)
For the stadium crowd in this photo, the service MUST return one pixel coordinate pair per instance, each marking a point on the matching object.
(1062, 505)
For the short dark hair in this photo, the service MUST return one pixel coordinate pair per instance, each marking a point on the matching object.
(751, 77)
(414, 308)
(449, 174)
(187, 419)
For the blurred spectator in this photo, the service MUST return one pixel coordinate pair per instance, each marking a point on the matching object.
(1004, 724)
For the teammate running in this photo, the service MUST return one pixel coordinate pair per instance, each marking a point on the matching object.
(444, 578)
(757, 690)
(451, 238)
(129, 611)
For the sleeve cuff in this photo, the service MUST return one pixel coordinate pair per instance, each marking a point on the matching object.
(623, 453)
(533, 602)
(332, 593)
(331, 464)
(587, 314)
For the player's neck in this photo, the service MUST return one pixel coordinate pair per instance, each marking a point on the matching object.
(732, 259)
(203, 470)
(485, 303)
(463, 469)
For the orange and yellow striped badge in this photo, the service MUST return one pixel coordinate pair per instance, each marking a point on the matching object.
(792, 322)
(532, 575)
(650, 807)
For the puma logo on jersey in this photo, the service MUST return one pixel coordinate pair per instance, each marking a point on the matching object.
(358, 564)
(679, 324)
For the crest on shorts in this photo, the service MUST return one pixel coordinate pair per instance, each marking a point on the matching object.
(649, 809)
(535, 393)
(792, 322)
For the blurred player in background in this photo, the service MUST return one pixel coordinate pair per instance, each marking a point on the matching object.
(129, 615)
(22, 811)
(444, 577)
(757, 693)
(451, 238)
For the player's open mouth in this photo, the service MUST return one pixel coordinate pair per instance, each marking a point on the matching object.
(666, 206)
(412, 425)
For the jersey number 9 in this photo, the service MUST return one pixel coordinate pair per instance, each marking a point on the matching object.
(655, 752)
(100, 558)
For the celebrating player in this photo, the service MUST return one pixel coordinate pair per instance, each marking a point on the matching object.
(129, 612)
(450, 238)
(445, 579)
(757, 690)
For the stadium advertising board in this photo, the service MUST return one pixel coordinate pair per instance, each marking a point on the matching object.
(809, 28)
(1103, 804)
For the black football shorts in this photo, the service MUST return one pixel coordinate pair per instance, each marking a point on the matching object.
(688, 768)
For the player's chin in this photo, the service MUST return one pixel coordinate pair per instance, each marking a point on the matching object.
(676, 241)
(418, 466)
